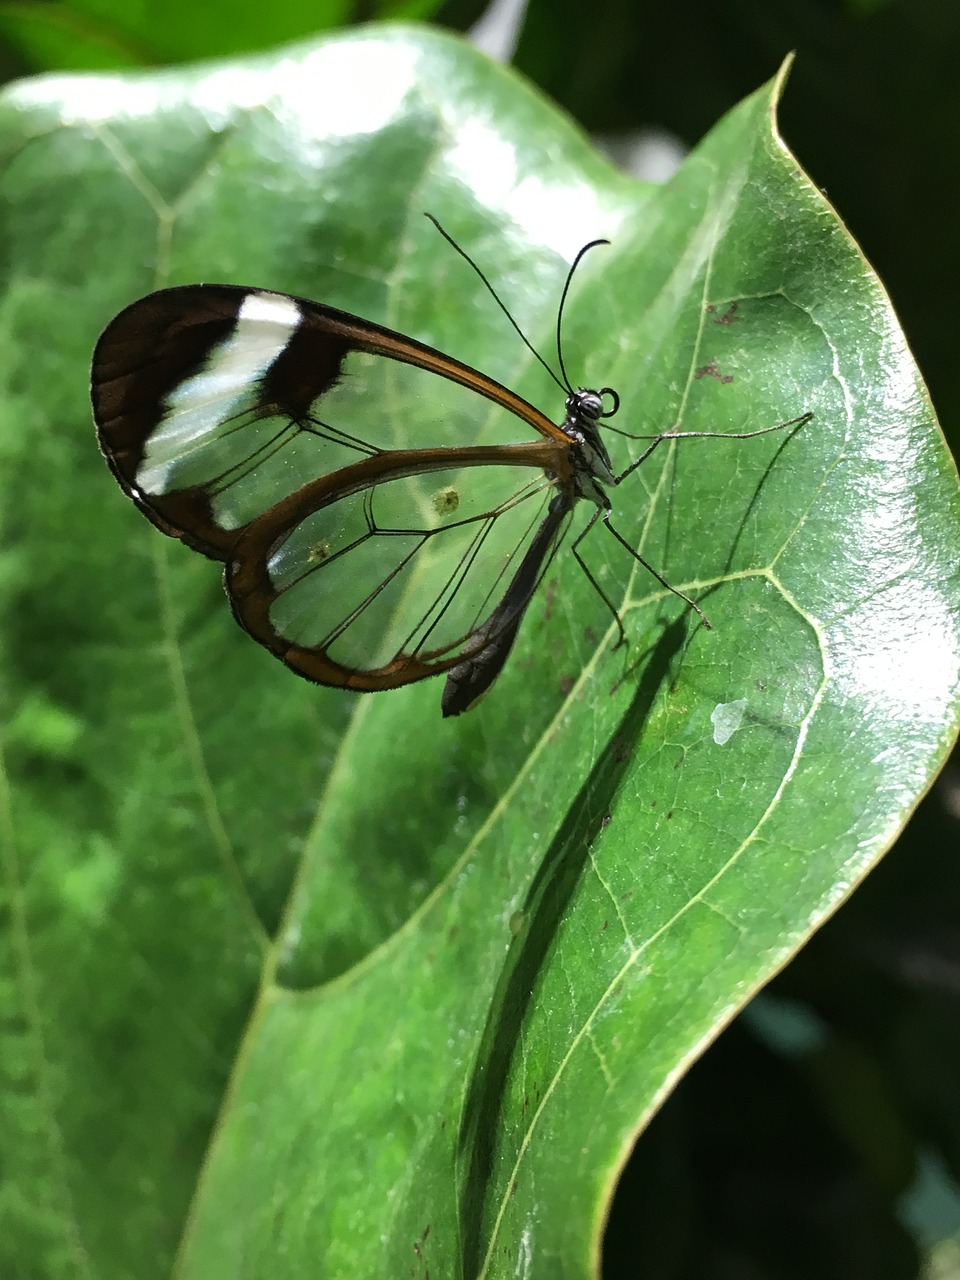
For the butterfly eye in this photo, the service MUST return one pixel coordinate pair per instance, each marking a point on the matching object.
(592, 404)
(585, 404)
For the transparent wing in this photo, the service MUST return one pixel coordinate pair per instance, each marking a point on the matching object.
(214, 403)
(396, 580)
(371, 513)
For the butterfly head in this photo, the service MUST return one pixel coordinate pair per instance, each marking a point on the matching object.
(587, 404)
(585, 408)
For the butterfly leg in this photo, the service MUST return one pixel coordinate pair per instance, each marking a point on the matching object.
(605, 516)
(597, 513)
(664, 435)
(703, 435)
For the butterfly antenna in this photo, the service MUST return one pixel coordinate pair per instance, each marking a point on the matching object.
(493, 293)
(563, 297)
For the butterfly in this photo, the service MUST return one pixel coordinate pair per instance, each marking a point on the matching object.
(259, 428)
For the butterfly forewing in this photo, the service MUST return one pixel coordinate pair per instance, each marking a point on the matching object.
(272, 433)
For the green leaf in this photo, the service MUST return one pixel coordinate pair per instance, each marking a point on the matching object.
(83, 34)
(443, 970)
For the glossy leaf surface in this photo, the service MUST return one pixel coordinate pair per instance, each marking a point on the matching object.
(448, 968)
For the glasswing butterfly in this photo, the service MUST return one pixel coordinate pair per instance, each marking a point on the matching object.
(259, 428)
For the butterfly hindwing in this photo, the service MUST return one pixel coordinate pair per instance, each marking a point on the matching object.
(416, 564)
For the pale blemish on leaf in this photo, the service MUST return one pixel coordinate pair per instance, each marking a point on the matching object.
(726, 718)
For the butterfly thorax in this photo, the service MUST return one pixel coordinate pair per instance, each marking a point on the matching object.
(591, 463)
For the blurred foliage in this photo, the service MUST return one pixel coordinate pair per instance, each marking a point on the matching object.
(764, 1162)
(84, 35)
